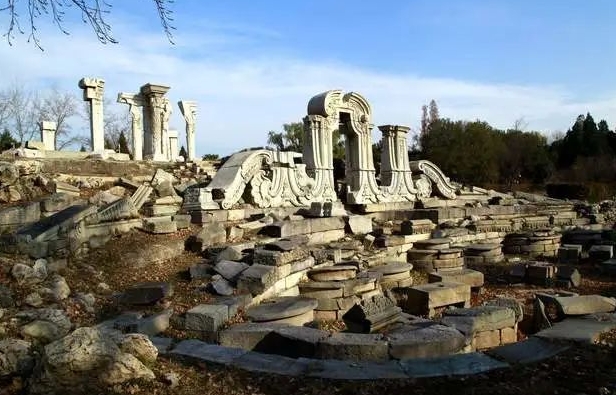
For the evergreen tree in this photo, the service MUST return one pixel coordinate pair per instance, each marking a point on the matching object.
(183, 153)
(7, 141)
(83, 148)
(424, 119)
(109, 144)
(123, 144)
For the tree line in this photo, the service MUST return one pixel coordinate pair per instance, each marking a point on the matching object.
(476, 153)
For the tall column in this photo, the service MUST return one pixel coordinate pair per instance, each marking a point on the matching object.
(48, 134)
(189, 112)
(93, 92)
(135, 103)
(156, 112)
(173, 145)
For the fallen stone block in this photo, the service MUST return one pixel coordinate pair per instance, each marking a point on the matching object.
(432, 340)
(146, 293)
(159, 225)
(182, 221)
(359, 225)
(567, 277)
(206, 318)
(354, 346)
(293, 310)
(479, 319)
(256, 279)
(230, 270)
(601, 253)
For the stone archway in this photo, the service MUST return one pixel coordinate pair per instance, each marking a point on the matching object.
(351, 114)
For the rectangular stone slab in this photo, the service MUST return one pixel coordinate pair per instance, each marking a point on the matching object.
(197, 350)
(528, 351)
(429, 296)
(352, 370)
(453, 365)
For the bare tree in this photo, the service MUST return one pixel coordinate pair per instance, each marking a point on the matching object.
(22, 120)
(93, 12)
(520, 124)
(58, 107)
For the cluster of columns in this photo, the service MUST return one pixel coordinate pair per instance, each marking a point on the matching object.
(150, 111)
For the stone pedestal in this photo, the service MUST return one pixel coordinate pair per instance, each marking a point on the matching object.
(157, 111)
(189, 112)
(48, 135)
(135, 102)
(93, 92)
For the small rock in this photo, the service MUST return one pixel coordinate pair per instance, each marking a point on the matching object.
(140, 346)
(43, 331)
(86, 300)
(103, 288)
(15, 357)
(33, 299)
(56, 290)
(200, 271)
(6, 297)
(172, 379)
(231, 253)
(222, 287)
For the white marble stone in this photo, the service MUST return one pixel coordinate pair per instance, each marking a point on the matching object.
(93, 92)
(189, 112)
(135, 103)
(48, 135)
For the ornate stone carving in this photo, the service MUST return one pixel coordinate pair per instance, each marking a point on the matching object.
(443, 185)
(135, 102)
(157, 112)
(93, 92)
(189, 112)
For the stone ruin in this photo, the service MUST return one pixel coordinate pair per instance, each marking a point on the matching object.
(151, 137)
(380, 283)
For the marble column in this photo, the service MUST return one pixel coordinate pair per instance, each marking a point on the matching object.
(189, 112)
(157, 111)
(135, 102)
(93, 92)
(173, 145)
(48, 134)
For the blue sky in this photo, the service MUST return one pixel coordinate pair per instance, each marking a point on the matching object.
(253, 65)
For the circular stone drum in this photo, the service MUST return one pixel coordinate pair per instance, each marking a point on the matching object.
(292, 310)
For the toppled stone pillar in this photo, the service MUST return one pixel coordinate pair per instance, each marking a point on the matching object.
(135, 102)
(48, 134)
(93, 91)
(173, 145)
(157, 111)
(189, 112)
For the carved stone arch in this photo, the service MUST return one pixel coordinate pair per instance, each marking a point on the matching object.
(352, 114)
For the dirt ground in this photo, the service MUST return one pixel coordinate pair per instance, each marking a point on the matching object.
(580, 370)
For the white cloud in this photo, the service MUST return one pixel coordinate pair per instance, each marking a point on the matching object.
(241, 96)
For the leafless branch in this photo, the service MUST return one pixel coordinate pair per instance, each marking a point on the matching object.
(93, 12)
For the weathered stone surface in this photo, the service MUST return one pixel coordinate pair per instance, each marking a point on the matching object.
(567, 276)
(231, 253)
(25, 274)
(530, 350)
(517, 307)
(585, 304)
(322, 290)
(211, 234)
(256, 279)
(353, 346)
(198, 351)
(234, 303)
(230, 270)
(56, 289)
(160, 225)
(452, 365)
(307, 226)
(206, 317)
(15, 357)
(200, 271)
(222, 287)
(433, 244)
(333, 273)
(274, 257)
(250, 336)
(146, 293)
(473, 278)
(44, 324)
(478, 319)
(422, 298)
(372, 314)
(6, 297)
(392, 268)
(577, 329)
(359, 225)
(426, 341)
(86, 358)
(279, 309)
